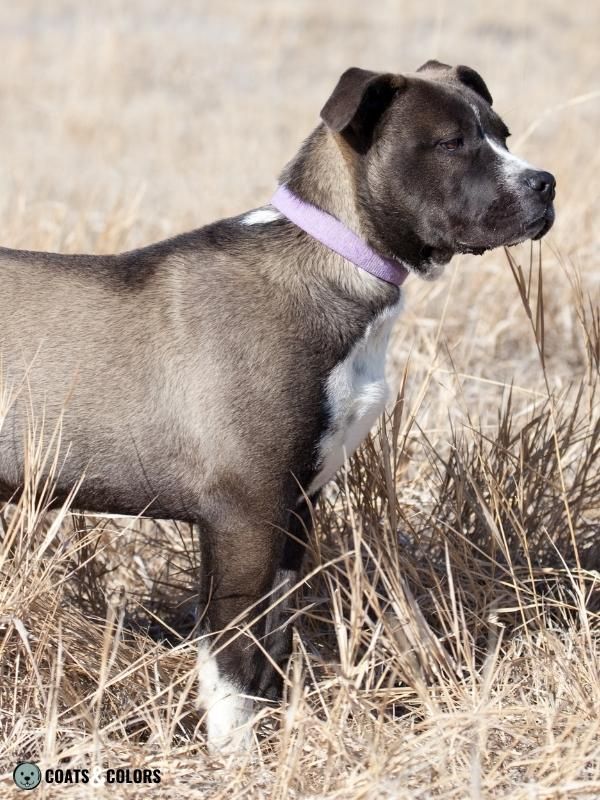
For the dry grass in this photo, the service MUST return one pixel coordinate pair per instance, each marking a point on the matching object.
(447, 644)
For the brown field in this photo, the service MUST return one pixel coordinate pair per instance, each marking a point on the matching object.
(448, 644)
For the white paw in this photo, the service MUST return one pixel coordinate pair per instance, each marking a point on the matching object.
(228, 711)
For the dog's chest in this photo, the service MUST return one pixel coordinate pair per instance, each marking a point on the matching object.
(356, 394)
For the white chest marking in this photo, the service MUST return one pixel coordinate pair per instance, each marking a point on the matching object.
(356, 394)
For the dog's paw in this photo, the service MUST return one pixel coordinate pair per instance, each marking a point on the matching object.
(228, 711)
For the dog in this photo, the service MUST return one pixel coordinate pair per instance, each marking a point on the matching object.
(223, 376)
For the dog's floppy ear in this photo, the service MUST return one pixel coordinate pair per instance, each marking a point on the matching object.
(357, 103)
(432, 64)
(467, 76)
(474, 81)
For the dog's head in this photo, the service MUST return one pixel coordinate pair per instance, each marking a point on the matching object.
(433, 173)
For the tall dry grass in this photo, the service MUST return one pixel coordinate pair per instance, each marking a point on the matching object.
(446, 631)
(446, 628)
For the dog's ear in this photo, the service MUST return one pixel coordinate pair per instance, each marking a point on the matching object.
(474, 81)
(466, 75)
(357, 103)
(433, 65)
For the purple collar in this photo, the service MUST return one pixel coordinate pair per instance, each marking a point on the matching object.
(328, 230)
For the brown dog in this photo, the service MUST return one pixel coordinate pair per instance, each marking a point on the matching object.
(214, 376)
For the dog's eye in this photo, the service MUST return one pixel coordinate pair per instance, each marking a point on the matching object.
(453, 144)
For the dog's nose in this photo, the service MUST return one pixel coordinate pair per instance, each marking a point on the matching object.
(542, 182)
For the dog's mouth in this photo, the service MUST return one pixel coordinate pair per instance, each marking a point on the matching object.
(547, 222)
(472, 250)
(534, 229)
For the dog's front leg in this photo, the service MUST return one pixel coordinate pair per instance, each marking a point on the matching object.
(239, 560)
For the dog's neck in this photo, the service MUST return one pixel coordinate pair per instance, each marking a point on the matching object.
(322, 174)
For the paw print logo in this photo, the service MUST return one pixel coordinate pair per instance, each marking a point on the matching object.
(27, 775)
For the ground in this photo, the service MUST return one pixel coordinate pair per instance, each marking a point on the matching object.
(447, 645)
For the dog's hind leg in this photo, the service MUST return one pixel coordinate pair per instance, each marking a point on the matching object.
(278, 634)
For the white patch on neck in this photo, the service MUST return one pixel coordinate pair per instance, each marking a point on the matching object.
(356, 392)
(512, 166)
(228, 712)
(260, 216)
